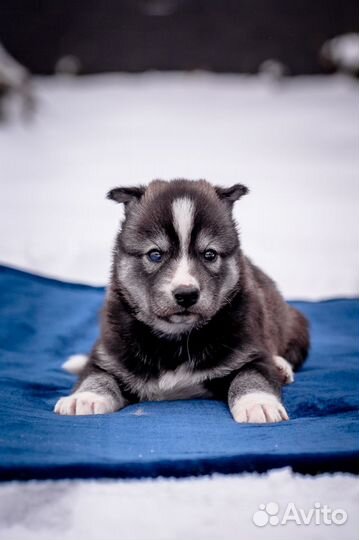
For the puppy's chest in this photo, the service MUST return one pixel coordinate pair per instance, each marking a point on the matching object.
(180, 383)
(166, 373)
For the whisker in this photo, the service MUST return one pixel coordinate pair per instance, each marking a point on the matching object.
(187, 345)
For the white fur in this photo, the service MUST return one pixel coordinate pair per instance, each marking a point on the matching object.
(75, 363)
(285, 369)
(81, 403)
(182, 383)
(258, 407)
(183, 212)
(182, 275)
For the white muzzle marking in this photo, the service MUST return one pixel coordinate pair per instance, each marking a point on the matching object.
(183, 213)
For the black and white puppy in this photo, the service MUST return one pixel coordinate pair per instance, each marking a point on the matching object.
(186, 313)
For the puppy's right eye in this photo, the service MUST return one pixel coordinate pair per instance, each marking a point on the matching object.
(210, 255)
(155, 255)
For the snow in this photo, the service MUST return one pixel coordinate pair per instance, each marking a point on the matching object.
(293, 143)
(343, 52)
(207, 508)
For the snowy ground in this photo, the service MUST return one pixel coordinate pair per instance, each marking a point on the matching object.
(217, 508)
(294, 144)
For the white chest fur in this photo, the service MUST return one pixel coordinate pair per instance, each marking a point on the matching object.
(178, 384)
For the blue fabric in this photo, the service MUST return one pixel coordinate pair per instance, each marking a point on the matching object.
(42, 321)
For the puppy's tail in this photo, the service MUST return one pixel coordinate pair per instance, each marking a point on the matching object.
(75, 363)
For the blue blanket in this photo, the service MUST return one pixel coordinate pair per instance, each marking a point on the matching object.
(42, 321)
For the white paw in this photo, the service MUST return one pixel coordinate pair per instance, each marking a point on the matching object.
(81, 403)
(285, 369)
(258, 408)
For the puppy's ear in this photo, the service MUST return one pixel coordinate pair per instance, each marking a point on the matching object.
(126, 195)
(231, 194)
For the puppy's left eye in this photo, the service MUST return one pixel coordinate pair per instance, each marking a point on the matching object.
(155, 255)
(210, 255)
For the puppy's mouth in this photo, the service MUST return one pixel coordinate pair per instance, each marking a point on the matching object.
(182, 317)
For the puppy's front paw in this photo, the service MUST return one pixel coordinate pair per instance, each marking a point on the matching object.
(285, 369)
(258, 408)
(81, 403)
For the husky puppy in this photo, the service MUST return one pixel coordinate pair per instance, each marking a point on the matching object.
(187, 314)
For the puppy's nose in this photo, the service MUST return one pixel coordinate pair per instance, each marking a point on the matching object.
(186, 296)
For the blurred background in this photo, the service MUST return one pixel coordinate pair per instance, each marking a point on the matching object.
(99, 94)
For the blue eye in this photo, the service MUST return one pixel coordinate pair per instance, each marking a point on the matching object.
(154, 255)
(210, 255)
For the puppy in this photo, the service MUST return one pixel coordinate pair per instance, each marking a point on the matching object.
(187, 314)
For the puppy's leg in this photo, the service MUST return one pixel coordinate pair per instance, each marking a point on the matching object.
(254, 394)
(297, 347)
(97, 393)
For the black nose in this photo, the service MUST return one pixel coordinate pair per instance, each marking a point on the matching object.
(186, 296)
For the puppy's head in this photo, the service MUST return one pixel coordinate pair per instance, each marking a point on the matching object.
(177, 255)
